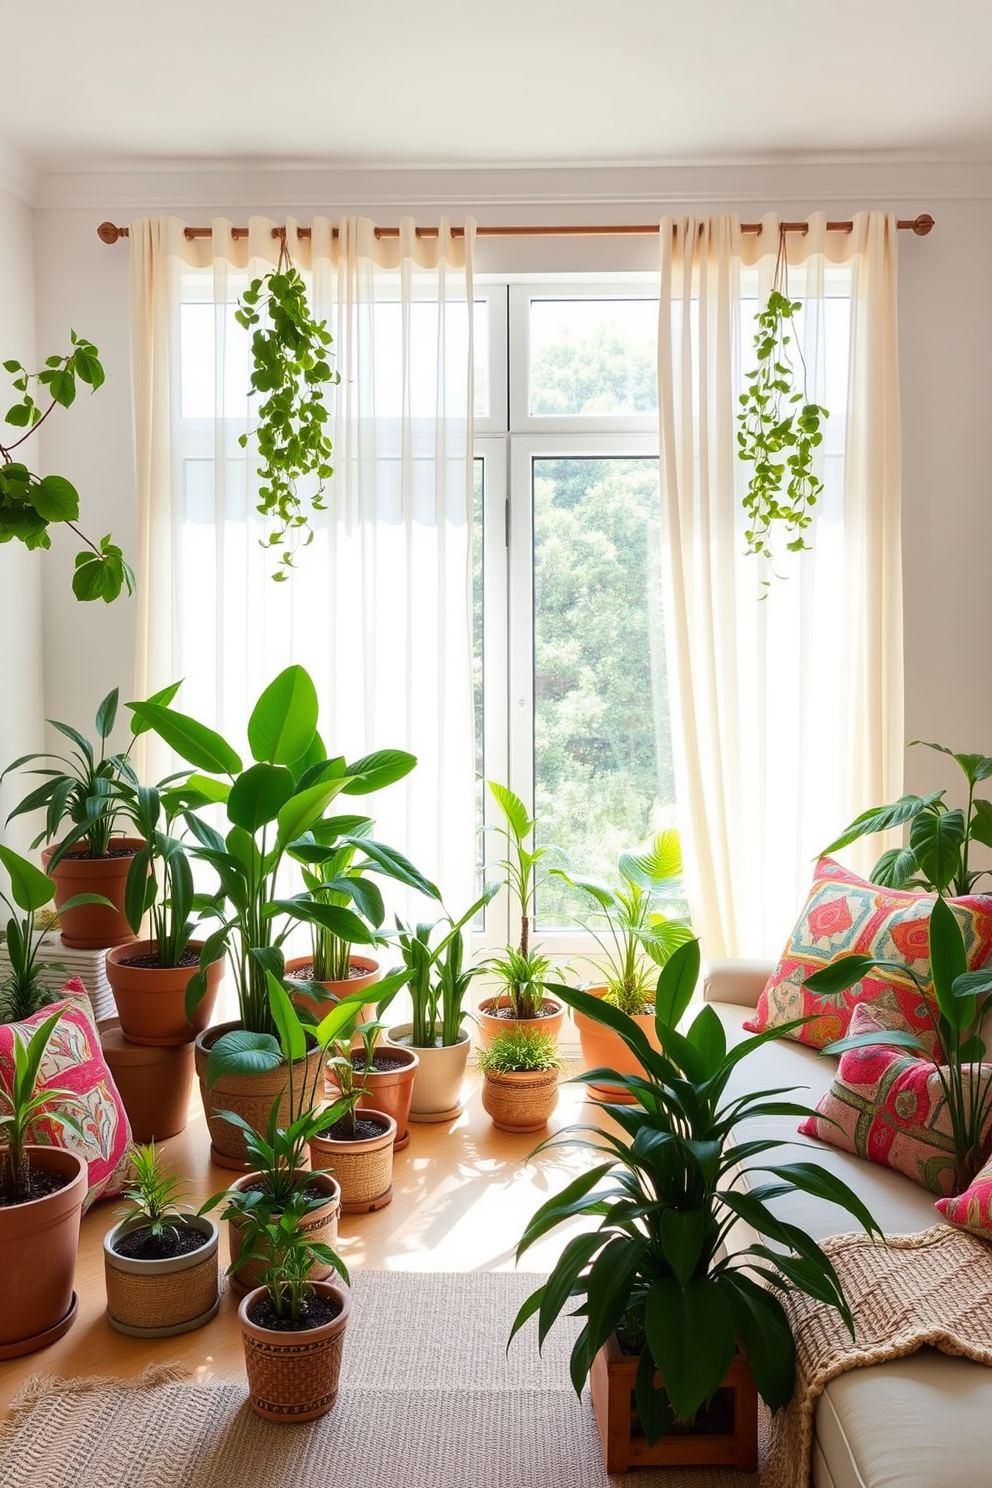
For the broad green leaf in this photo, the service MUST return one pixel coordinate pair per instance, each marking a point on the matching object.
(948, 960)
(200, 746)
(677, 983)
(241, 1052)
(258, 795)
(822, 1184)
(374, 771)
(682, 1234)
(895, 868)
(839, 975)
(611, 1279)
(936, 839)
(656, 866)
(691, 1334)
(513, 809)
(573, 1199)
(163, 696)
(303, 809)
(284, 720)
(55, 499)
(290, 1030)
(338, 921)
(981, 821)
(559, 1287)
(30, 889)
(881, 818)
(653, 1405)
(976, 767)
(765, 1334)
(707, 1036)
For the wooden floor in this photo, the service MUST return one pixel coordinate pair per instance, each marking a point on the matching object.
(463, 1192)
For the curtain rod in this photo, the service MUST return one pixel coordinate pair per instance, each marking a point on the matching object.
(108, 232)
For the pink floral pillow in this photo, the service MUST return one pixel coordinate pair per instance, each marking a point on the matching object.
(74, 1061)
(846, 915)
(972, 1210)
(889, 1107)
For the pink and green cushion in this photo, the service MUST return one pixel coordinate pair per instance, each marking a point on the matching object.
(845, 915)
(972, 1210)
(889, 1107)
(74, 1061)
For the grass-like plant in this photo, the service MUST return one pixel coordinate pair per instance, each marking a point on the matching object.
(438, 978)
(23, 1103)
(22, 991)
(154, 1196)
(514, 1051)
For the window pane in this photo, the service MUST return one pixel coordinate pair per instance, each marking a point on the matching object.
(602, 732)
(593, 357)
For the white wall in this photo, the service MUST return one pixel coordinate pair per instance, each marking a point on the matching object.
(945, 330)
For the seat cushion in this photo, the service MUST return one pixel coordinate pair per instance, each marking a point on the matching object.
(972, 1210)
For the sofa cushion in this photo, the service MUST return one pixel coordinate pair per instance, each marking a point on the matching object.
(846, 915)
(972, 1210)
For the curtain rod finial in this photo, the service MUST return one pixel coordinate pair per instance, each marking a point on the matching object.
(923, 225)
(108, 232)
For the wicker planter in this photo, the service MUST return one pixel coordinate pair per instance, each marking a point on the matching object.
(520, 1100)
(491, 1024)
(727, 1436)
(159, 1299)
(320, 1224)
(294, 1376)
(93, 927)
(250, 1096)
(604, 1049)
(38, 1244)
(364, 1169)
(437, 1085)
(154, 1084)
(151, 1000)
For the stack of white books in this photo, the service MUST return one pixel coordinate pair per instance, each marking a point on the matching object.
(58, 962)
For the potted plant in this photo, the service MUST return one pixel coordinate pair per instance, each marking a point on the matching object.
(522, 969)
(160, 1261)
(669, 1313)
(636, 937)
(30, 503)
(292, 1327)
(21, 991)
(520, 1079)
(386, 1074)
(42, 1190)
(358, 1145)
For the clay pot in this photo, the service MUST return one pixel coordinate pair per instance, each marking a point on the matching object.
(154, 1083)
(437, 1085)
(490, 1025)
(151, 1000)
(249, 1096)
(320, 1224)
(371, 972)
(520, 1100)
(160, 1299)
(93, 927)
(294, 1376)
(38, 1244)
(364, 1169)
(604, 1049)
(389, 1090)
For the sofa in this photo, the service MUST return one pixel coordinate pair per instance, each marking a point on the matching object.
(920, 1422)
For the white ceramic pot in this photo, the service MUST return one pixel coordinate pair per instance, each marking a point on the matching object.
(437, 1086)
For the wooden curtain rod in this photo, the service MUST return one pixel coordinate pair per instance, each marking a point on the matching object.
(108, 232)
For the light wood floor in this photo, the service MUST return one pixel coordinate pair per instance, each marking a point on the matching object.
(463, 1192)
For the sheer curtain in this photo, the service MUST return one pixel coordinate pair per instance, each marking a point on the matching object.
(378, 607)
(790, 706)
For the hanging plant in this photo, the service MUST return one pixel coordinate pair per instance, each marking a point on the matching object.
(30, 503)
(779, 428)
(290, 367)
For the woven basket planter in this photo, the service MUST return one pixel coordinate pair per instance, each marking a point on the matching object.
(364, 1169)
(520, 1100)
(159, 1299)
(294, 1376)
(250, 1096)
(320, 1224)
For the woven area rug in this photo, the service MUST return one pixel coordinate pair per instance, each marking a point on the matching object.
(428, 1399)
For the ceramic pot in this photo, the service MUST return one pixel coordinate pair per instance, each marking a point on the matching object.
(389, 1090)
(151, 1000)
(363, 1168)
(371, 971)
(294, 1376)
(249, 1096)
(437, 1085)
(520, 1100)
(38, 1244)
(320, 1224)
(93, 927)
(490, 1024)
(161, 1298)
(154, 1083)
(604, 1049)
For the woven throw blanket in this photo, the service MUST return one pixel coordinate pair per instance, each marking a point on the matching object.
(932, 1288)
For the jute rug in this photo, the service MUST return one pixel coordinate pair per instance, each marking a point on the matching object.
(428, 1399)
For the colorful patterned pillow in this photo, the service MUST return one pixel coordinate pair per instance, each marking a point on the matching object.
(74, 1061)
(972, 1210)
(845, 915)
(888, 1106)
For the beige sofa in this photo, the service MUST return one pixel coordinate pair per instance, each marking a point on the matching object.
(921, 1422)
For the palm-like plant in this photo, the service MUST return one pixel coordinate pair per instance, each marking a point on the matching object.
(437, 975)
(154, 1196)
(22, 1104)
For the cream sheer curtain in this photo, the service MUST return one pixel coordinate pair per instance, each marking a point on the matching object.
(378, 608)
(790, 707)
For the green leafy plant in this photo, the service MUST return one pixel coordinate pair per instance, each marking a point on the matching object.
(940, 837)
(30, 503)
(438, 977)
(520, 968)
(288, 1254)
(514, 1050)
(673, 1180)
(22, 992)
(290, 368)
(22, 1104)
(154, 1196)
(779, 428)
(628, 923)
(524, 977)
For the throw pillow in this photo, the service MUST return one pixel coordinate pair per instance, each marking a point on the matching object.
(846, 915)
(889, 1107)
(74, 1061)
(972, 1210)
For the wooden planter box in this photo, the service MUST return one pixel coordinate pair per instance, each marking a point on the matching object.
(612, 1384)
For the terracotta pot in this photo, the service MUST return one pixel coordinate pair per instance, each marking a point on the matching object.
(490, 1025)
(320, 1224)
(437, 1085)
(520, 1100)
(93, 927)
(160, 1299)
(249, 1096)
(604, 1049)
(294, 1376)
(364, 1169)
(155, 1083)
(151, 999)
(38, 1243)
(389, 1090)
(371, 972)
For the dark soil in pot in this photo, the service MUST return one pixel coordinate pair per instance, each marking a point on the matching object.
(142, 1245)
(40, 1183)
(154, 963)
(364, 1130)
(315, 1312)
(381, 1063)
(304, 973)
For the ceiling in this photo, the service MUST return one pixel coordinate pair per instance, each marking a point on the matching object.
(111, 84)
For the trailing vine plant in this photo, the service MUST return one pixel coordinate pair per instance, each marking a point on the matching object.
(291, 368)
(779, 428)
(30, 503)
